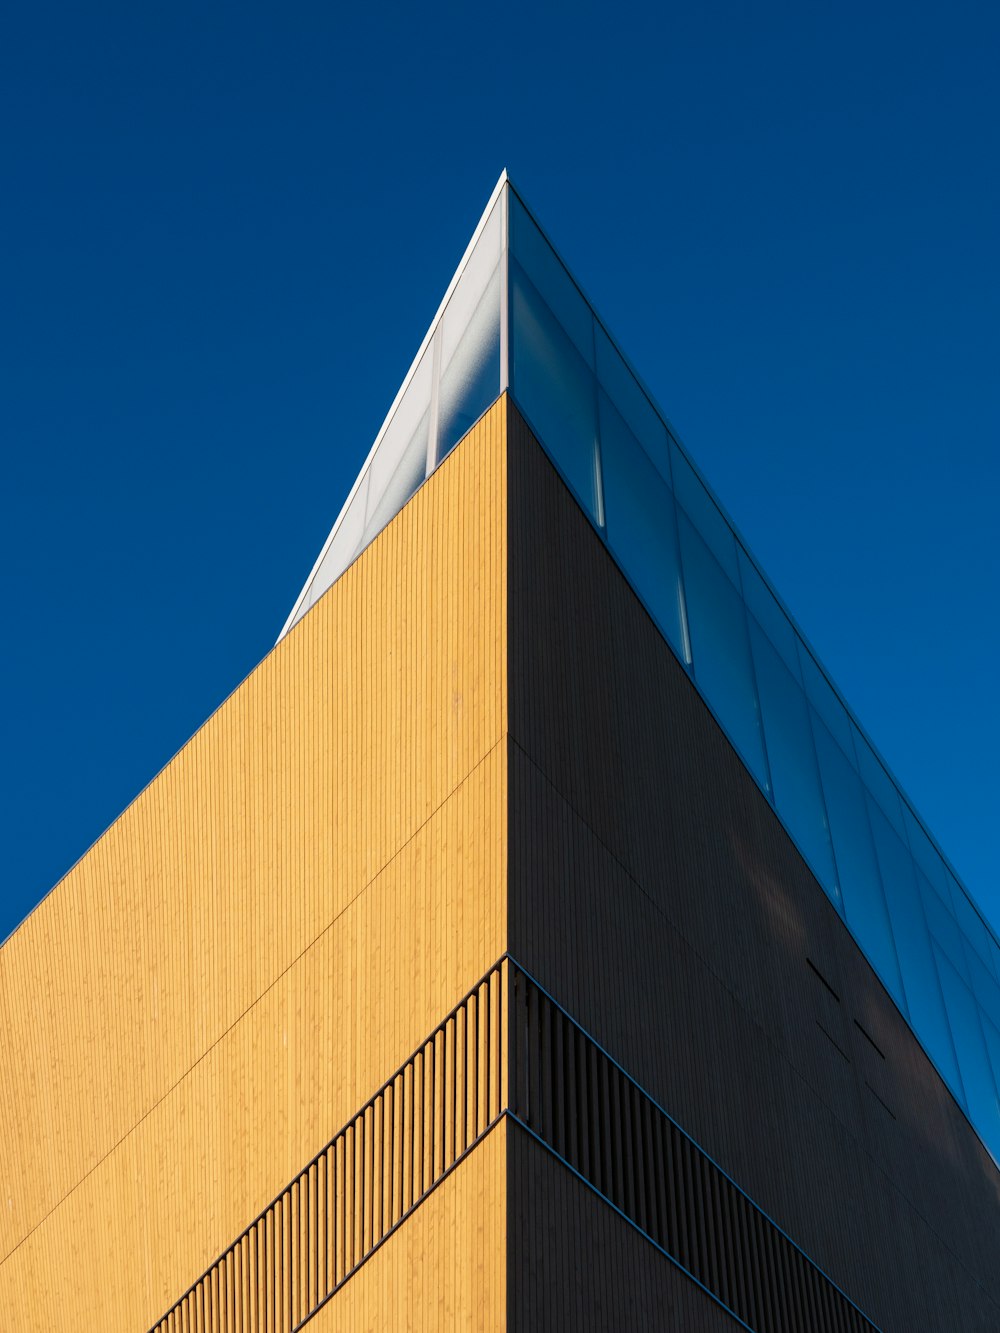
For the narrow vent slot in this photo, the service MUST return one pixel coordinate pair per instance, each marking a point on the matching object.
(817, 973)
(870, 1039)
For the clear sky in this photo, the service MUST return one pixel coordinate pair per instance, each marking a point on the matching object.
(224, 229)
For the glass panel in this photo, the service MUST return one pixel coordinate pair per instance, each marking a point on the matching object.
(857, 868)
(878, 782)
(984, 987)
(769, 614)
(641, 528)
(470, 340)
(913, 948)
(942, 924)
(824, 700)
(791, 759)
(400, 462)
(926, 855)
(977, 1075)
(549, 277)
(720, 648)
(555, 390)
(704, 513)
(343, 548)
(971, 922)
(636, 410)
(470, 377)
(992, 1036)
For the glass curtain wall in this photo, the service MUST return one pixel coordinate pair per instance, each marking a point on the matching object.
(916, 924)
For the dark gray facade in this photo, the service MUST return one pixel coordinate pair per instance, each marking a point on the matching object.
(655, 895)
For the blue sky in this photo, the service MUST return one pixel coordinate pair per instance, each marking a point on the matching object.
(223, 233)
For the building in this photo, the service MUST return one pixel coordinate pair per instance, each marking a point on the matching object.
(534, 940)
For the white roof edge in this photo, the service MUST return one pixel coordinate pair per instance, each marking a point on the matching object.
(497, 191)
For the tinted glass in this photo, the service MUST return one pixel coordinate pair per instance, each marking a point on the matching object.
(925, 853)
(971, 922)
(914, 950)
(977, 1071)
(941, 923)
(824, 700)
(991, 1035)
(878, 782)
(704, 513)
(546, 272)
(791, 758)
(720, 648)
(555, 390)
(984, 987)
(769, 615)
(854, 850)
(633, 406)
(641, 528)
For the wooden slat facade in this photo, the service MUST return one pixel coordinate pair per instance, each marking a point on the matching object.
(268, 930)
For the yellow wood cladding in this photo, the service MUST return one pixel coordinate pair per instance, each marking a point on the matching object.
(270, 927)
(183, 1184)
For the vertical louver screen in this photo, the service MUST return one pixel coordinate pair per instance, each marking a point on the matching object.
(578, 1102)
(364, 1183)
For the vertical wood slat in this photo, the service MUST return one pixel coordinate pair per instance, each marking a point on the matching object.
(448, 1084)
(428, 1137)
(364, 1182)
(472, 1070)
(343, 1265)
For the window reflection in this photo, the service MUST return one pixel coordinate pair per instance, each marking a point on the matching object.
(556, 389)
(791, 759)
(641, 527)
(720, 648)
